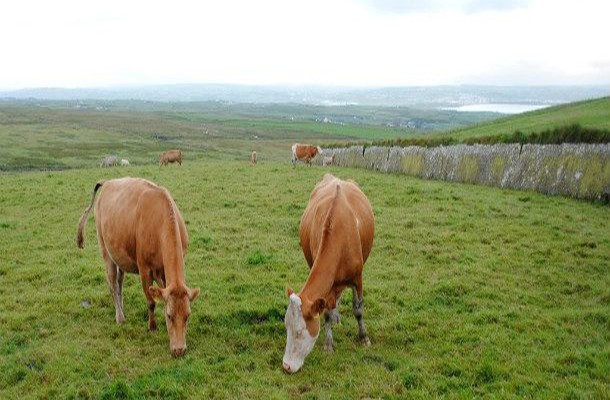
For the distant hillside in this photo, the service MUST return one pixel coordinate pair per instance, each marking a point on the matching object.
(581, 122)
(429, 97)
(593, 114)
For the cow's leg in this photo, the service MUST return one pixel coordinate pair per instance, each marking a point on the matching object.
(330, 317)
(328, 326)
(119, 280)
(147, 282)
(358, 307)
(112, 277)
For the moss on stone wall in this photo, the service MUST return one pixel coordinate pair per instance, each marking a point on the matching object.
(498, 166)
(595, 178)
(468, 168)
(577, 170)
(413, 164)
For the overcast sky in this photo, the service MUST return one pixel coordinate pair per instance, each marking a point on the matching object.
(64, 43)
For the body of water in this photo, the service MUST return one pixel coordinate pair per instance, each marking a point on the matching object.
(499, 108)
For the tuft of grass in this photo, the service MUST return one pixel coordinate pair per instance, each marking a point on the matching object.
(258, 257)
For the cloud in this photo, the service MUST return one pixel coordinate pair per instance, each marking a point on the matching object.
(417, 6)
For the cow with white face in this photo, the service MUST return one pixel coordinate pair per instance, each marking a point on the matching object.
(303, 329)
(336, 235)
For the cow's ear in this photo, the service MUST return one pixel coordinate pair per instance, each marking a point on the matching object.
(318, 306)
(156, 293)
(193, 293)
(289, 292)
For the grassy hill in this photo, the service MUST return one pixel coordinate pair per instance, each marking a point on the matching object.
(589, 114)
(78, 133)
(469, 292)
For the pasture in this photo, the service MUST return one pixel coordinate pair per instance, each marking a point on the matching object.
(76, 134)
(469, 291)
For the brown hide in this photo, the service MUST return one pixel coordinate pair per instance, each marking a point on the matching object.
(170, 156)
(336, 235)
(305, 152)
(140, 230)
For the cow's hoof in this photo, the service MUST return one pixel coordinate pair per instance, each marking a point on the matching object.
(152, 325)
(365, 341)
(329, 347)
(120, 319)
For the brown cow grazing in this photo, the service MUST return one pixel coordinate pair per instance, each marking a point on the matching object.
(170, 156)
(140, 230)
(337, 230)
(253, 157)
(304, 152)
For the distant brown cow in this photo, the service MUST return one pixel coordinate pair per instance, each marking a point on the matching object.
(140, 230)
(170, 156)
(253, 157)
(304, 152)
(336, 233)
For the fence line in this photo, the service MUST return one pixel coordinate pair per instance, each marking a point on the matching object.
(576, 170)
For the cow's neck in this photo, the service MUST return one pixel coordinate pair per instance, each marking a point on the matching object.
(321, 279)
(174, 276)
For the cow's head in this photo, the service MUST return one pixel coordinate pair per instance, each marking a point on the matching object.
(319, 150)
(302, 329)
(177, 309)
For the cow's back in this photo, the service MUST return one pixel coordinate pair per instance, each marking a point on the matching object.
(129, 217)
(354, 205)
(172, 155)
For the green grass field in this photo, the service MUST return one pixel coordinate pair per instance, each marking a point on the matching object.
(469, 291)
(589, 114)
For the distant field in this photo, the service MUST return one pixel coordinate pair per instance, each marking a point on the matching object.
(470, 292)
(589, 114)
(59, 135)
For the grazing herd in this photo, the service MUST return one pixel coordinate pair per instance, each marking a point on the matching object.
(300, 152)
(141, 231)
(113, 161)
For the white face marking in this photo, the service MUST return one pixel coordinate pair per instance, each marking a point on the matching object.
(299, 342)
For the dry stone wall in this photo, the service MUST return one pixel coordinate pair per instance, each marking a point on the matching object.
(576, 170)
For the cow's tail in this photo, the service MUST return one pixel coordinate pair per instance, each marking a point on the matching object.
(80, 238)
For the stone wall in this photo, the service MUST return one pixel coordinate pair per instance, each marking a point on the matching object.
(576, 170)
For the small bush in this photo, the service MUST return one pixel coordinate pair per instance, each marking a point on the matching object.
(565, 134)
